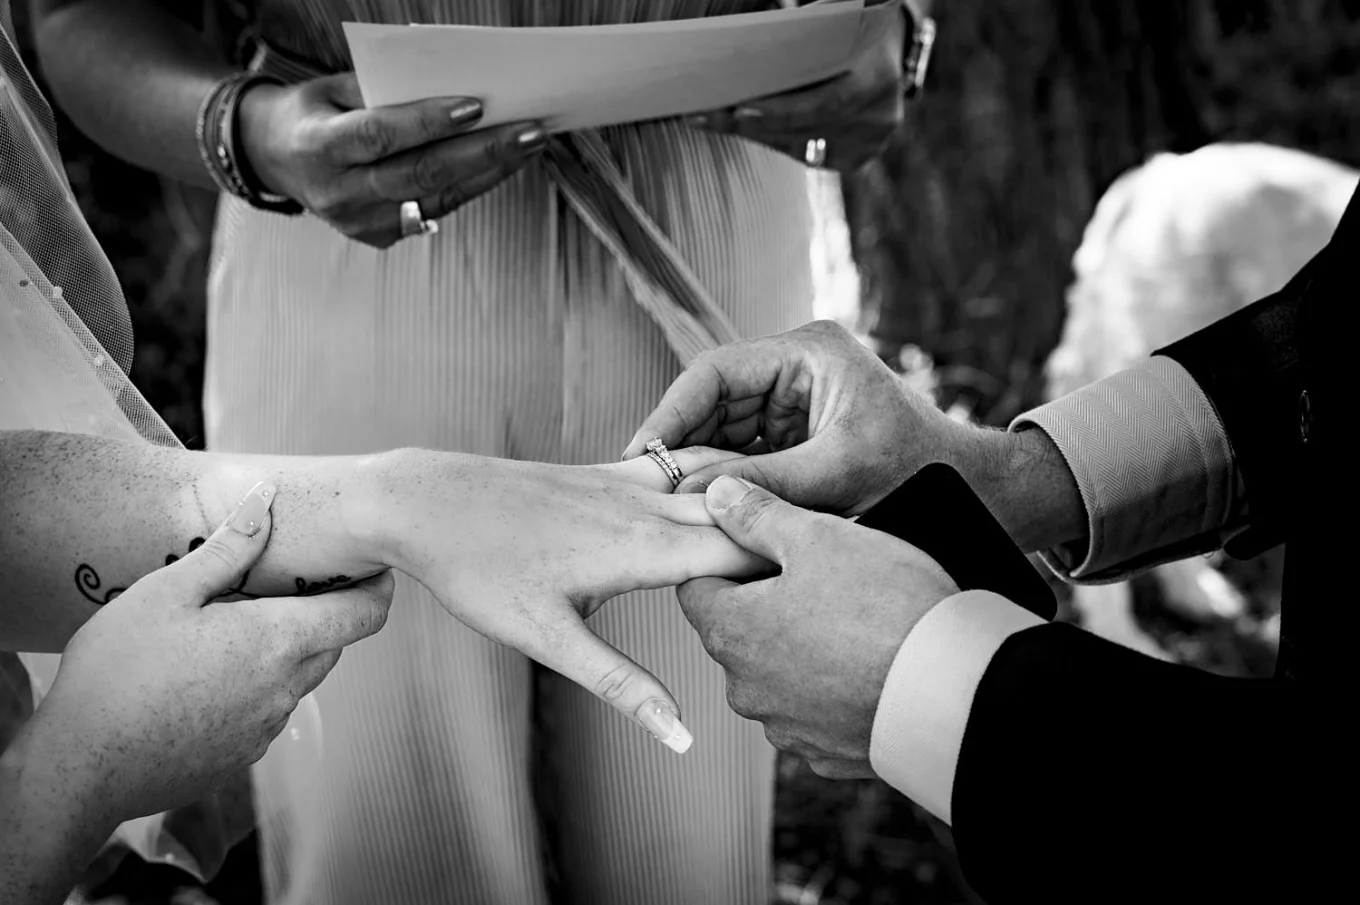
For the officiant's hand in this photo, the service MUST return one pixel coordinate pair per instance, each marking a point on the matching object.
(855, 113)
(523, 552)
(353, 167)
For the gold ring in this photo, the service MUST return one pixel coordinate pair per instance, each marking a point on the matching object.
(658, 453)
(413, 222)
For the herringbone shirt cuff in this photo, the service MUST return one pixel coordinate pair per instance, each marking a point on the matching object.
(1154, 467)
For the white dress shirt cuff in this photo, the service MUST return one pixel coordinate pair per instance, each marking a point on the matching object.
(1154, 467)
(923, 711)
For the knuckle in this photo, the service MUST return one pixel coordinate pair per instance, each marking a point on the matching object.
(823, 768)
(780, 738)
(432, 172)
(452, 198)
(614, 685)
(742, 699)
(496, 154)
(284, 703)
(374, 136)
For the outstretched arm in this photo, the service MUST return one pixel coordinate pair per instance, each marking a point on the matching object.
(88, 517)
(521, 552)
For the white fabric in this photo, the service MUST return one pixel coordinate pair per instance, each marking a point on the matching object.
(923, 711)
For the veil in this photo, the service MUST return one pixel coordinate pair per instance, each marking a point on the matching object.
(65, 354)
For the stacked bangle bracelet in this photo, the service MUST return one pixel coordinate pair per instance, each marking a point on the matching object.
(219, 144)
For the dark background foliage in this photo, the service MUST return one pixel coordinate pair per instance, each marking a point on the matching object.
(963, 233)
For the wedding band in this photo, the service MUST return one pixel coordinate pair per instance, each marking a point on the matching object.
(658, 453)
(815, 152)
(413, 222)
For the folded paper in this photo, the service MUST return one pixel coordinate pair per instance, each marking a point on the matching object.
(582, 77)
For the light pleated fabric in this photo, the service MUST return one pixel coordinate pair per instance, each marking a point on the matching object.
(452, 769)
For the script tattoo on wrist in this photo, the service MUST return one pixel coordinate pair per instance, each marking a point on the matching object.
(307, 588)
(91, 586)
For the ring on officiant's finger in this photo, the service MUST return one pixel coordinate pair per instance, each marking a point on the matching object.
(413, 222)
(815, 152)
(658, 453)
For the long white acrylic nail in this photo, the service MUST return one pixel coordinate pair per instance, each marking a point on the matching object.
(662, 722)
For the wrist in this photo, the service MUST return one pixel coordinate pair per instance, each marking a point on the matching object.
(254, 117)
(49, 771)
(389, 511)
(1025, 482)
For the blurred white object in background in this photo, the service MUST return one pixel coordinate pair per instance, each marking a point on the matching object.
(1186, 239)
(1173, 246)
(835, 278)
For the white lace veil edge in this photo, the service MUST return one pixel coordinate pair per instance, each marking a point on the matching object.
(65, 333)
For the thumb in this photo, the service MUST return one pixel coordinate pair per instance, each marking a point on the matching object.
(222, 562)
(600, 668)
(789, 474)
(754, 518)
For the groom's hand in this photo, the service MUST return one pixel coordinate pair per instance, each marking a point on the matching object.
(842, 429)
(807, 652)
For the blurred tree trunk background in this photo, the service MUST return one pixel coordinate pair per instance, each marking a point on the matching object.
(965, 230)
(963, 233)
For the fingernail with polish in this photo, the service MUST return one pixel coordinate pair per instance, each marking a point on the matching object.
(696, 486)
(250, 512)
(696, 120)
(531, 139)
(662, 722)
(747, 113)
(726, 491)
(465, 112)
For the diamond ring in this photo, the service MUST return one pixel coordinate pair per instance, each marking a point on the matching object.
(658, 453)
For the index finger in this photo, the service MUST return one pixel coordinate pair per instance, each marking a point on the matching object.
(731, 373)
(338, 618)
(363, 136)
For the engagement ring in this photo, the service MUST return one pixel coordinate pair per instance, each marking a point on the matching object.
(658, 453)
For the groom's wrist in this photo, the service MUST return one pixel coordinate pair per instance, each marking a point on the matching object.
(1025, 482)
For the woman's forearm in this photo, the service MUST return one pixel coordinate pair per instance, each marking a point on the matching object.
(85, 517)
(51, 825)
(162, 67)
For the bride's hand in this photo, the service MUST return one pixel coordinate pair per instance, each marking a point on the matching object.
(524, 552)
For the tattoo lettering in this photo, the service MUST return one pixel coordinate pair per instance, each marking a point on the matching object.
(89, 582)
(310, 588)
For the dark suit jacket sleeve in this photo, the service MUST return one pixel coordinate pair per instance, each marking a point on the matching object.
(1248, 364)
(1089, 773)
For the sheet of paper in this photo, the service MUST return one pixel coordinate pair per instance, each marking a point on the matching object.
(587, 76)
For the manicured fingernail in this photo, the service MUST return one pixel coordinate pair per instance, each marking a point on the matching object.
(726, 491)
(531, 139)
(465, 112)
(250, 512)
(696, 120)
(662, 722)
(747, 113)
(698, 485)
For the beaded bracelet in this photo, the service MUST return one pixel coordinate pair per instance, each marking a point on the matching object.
(219, 145)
